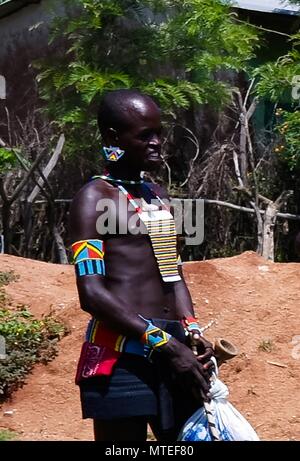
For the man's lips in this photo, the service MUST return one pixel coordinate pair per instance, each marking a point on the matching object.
(154, 156)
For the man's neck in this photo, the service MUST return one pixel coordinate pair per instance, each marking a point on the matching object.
(124, 173)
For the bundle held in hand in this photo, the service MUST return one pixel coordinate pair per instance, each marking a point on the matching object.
(230, 424)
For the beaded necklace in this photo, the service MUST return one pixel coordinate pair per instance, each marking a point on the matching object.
(162, 233)
(161, 230)
(118, 181)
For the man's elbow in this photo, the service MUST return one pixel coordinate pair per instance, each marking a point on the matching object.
(90, 296)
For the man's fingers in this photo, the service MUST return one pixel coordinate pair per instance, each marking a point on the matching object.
(200, 395)
(206, 375)
(196, 335)
(209, 366)
(202, 342)
(202, 382)
(206, 356)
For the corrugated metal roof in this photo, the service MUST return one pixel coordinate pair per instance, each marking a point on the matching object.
(10, 6)
(268, 6)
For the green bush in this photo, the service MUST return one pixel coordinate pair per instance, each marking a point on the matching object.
(6, 435)
(27, 341)
(288, 149)
(7, 277)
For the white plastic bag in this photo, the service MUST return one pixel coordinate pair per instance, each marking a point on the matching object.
(230, 424)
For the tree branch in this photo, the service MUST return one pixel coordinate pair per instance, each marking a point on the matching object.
(3, 193)
(47, 170)
(293, 217)
(194, 140)
(22, 184)
(284, 196)
(263, 28)
(237, 169)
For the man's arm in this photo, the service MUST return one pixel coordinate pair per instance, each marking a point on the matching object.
(183, 299)
(185, 312)
(94, 296)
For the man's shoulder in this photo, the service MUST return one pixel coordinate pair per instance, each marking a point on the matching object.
(95, 189)
(84, 209)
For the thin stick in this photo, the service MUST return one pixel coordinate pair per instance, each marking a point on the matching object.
(281, 365)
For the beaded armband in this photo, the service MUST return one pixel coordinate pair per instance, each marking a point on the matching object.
(154, 337)
(88, 257)
(190, 325)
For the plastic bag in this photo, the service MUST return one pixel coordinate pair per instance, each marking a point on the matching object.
(230, 424)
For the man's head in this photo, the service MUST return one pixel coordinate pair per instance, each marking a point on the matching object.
(131, 120)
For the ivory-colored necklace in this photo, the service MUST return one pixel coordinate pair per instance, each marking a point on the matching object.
(118, 181)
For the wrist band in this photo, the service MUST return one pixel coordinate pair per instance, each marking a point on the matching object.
(155, 337)
(190, 325)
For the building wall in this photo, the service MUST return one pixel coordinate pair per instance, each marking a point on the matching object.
(24, 38)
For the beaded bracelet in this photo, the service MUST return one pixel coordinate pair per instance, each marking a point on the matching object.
(154, 337)
(191, 325)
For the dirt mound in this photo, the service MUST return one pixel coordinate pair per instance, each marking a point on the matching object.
(253, 303)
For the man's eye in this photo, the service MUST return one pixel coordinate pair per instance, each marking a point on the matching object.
(145, 135)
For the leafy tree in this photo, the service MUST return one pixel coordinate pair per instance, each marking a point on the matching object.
(7, 159)
(288, 149)
(170, 49)
(279, 81)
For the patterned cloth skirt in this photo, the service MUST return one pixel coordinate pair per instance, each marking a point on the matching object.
(139, 387)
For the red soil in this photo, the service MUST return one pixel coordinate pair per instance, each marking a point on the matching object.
(254, 304)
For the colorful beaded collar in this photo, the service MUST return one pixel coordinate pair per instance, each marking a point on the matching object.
(118, 181)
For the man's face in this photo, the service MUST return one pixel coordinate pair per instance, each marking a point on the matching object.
(141, 136)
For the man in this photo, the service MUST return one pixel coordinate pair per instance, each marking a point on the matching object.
(135, 367)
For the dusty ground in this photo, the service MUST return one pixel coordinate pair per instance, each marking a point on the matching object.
(255, 304)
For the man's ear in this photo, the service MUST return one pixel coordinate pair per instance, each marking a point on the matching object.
(110, 137)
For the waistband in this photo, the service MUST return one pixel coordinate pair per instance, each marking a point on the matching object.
(98, 334)
(103, 347)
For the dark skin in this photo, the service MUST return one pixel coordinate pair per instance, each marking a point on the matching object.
(133, 284)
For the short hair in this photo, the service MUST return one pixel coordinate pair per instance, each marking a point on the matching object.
(112, 108)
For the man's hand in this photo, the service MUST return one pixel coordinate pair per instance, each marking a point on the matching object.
(203, 349)
(187, 366)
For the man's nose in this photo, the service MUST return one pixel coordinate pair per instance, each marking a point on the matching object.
(155, 141)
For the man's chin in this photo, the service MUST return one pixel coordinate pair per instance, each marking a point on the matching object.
(152, 165)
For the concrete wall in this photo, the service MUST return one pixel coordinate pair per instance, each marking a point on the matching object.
(24, 38)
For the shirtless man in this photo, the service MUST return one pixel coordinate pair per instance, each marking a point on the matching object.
(122, 283)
